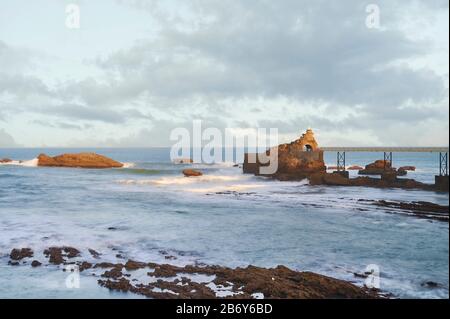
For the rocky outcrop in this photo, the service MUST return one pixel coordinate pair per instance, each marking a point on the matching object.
(388, 180)
(382, 167)
(296, 160)
(407, 168)
(82, 160)
(355, 168)
(192, 173)
(5, 160)
(377, 168)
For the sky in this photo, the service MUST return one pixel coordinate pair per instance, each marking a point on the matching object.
(136, 69)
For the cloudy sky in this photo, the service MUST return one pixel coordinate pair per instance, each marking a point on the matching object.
(136, 69)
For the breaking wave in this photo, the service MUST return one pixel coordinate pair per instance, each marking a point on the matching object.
(30, 163)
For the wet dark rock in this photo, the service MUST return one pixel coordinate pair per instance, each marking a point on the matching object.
(104, 265)
(113, 273)
(19, 254)
(134, 265)
(85, 265)
(35, 264)
(420, 209)
(56, 255)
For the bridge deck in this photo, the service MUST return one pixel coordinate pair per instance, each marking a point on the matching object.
(387, 149)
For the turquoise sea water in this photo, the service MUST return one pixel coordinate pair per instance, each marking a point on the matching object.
(149, 210)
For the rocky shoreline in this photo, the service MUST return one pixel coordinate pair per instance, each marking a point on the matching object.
(199, 281)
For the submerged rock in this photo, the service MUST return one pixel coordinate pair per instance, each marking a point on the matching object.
(192, 173)
(81, 160)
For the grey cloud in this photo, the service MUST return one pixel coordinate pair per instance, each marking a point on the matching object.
(7, 140)
(88, 113)
(251, 49)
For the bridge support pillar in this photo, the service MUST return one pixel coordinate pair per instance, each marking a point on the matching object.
(441, 180)
(341, 165)
(387, 158)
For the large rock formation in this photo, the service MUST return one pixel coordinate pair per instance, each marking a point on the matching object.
(296, 160)
(82, 160)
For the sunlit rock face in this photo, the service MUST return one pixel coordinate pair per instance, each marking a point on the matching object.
(82, 160)
(296, 160)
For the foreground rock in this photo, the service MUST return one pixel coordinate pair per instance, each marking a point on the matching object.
(81, 160)
(165, 281)
(172, 282)
(296, 160)
(192, 173)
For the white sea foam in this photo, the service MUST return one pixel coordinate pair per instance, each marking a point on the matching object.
(30, 163)
(128, 165)
(181, 180)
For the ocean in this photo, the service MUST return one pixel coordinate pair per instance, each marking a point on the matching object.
(148, 210)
